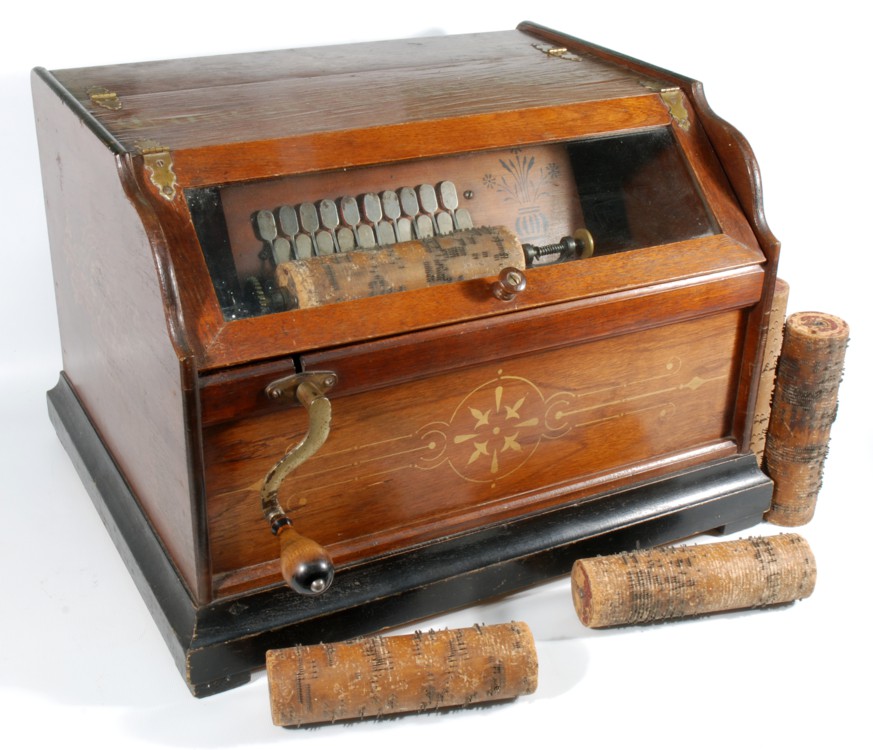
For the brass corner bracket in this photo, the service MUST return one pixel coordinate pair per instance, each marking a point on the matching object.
(676, 105)
(159, 165)
(674, 101)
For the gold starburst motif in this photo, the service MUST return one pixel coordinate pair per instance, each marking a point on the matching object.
(496, 428)
(496, 431)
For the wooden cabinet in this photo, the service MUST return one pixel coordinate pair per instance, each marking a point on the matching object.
(220, 225)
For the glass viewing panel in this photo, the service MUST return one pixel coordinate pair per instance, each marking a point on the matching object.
(307, 240)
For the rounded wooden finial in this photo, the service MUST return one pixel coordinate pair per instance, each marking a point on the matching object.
(305, 564)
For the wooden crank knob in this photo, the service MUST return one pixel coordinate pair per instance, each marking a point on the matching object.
(305, 564)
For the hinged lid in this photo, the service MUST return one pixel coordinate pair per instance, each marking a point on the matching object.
(225, 149)
(188, 104)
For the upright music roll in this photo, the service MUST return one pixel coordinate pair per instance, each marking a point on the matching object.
(767, 379)
(804, 408)
(465, 254)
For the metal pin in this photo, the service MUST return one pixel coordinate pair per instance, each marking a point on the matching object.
(288, 221)
(366, 237)
(423, 226)
(408, 202)
(371, 208)
(409, 207)
(444, 222)
(385, 233)
(391, 205)
(345, 238)
(427, 199)
(309, 221)
(463, 220)
(329, 219)
(392, 211)
(281, 250)
(289, 226)
(324, 242)
(448, 195)
(350, 216)
(371, 212)
(303, 246)
(266, 224)
(404, 229)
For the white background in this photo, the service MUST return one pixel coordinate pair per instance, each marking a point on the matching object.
(81, 661)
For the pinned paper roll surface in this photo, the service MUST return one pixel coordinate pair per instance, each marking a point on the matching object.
(804, 408)
(665, 583)
(465, 254)
(377, 676)
(767, 380)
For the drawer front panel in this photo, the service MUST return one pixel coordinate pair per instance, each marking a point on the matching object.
(416, 461)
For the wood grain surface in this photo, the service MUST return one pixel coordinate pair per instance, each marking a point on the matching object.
(180, 404)
(460, 449)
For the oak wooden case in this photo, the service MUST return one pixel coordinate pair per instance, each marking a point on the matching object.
(477, 444)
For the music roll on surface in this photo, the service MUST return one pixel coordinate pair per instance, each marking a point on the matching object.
(670, 582)
(465, 254)
(377, 676)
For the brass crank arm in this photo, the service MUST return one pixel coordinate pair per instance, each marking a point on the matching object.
(306, 565)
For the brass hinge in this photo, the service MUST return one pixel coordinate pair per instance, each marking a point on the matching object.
(562, 52)
(159, 164)
(103, 97)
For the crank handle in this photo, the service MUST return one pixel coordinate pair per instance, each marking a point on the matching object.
(306, 566)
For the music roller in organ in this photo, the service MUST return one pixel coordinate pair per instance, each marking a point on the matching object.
(555, 353)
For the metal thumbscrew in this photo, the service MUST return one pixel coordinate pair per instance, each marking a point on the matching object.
(510, 282)
(580, 244)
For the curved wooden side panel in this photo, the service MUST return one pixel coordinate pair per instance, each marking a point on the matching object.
(121, 351)
(741, 167)
(730, 145)
(742, 171)
(131, 183)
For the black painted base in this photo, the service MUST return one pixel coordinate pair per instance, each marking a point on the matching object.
(217, 646)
